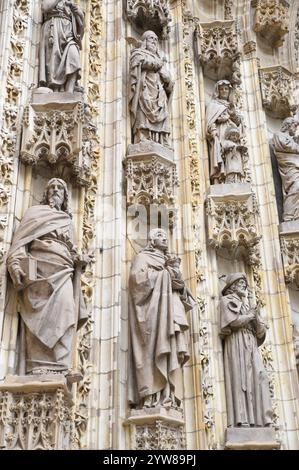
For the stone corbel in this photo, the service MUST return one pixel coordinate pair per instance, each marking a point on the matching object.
(232, 221)
(278, 87)
(35, 413)
(157, 428)
(149, 15)
(289, 239)
(55, 134)
(271, 20)
(151, 177)
(217, 48)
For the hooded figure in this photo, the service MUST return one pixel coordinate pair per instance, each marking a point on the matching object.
(246, 383)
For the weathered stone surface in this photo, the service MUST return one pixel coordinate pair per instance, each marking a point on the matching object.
(251, 439)
(242, 329)
(42, 262)
(35, 413)
(159, 300)
(151, 88)
(60, 43)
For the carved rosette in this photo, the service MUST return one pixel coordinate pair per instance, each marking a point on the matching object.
(157, 429)
(53, 130)
(278, 87)
(149, 15)
(34, 415)
(218, 48)
(232, 220)
(271, 20)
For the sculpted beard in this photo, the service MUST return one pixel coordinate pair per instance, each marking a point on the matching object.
(55, 201)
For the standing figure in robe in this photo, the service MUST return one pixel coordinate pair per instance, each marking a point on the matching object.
(159, 332)
(246, 383)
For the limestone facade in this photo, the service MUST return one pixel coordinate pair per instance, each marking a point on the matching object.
(119, 190)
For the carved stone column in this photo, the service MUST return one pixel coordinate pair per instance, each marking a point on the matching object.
(35, 414)
(278, 87)
(271, 20)
(232, 220)
(157, 429)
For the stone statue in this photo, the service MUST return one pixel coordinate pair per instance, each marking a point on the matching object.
(221, 114)
(232, 154)
(158, 302)
(246, 383)
(61, 37)
(287, 154)
(150, 92)
(44, 266)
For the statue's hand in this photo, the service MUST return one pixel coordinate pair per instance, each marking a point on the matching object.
(82, 260)
(17, 276)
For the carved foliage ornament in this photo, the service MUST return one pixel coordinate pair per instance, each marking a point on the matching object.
(217, 48)
(160, 435)
(233, 224)
(278, 85)
(151, 181)
(271, 20)
(34, 421)
(149, 14)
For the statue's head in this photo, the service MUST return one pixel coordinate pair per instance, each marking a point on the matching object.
(232, 133)
(222, 89)
(149, 41)
(236, 283)
(158, 239)
(290, 125)
(56, 194)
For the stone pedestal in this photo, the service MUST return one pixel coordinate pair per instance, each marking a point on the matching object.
(35, 413)
(157, 429)
(251, 439)
(232, 220)
(289, 239)
(152, 181)
(55, 135)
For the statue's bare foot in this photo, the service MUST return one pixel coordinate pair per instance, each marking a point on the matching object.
(156, 399)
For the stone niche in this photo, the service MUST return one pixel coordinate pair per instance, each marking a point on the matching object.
(271, 20)
(278, 88)
(149, 15)
(232, 220)
(289, 239)
(55, 136)
(157, 429)
(217, 48)
(35, 413)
